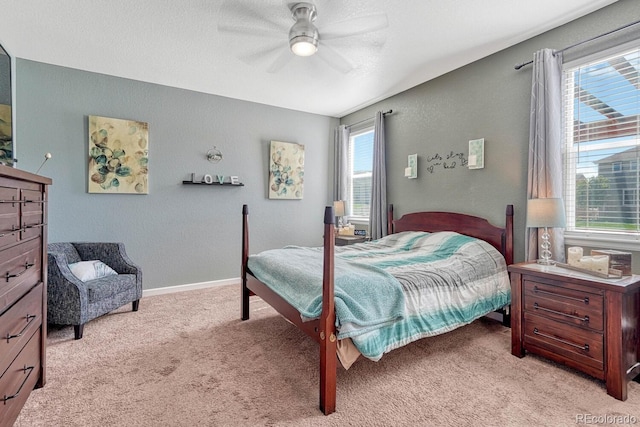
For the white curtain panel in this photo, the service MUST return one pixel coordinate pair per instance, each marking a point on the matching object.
(545, 145)
(378, 212)
(341, 166)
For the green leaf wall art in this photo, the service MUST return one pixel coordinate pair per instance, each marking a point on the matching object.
(118, 156)
(286, 170)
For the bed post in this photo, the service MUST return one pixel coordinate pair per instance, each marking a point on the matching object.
(508, 244)
(328, 339)
(245, 256)
(390, 219)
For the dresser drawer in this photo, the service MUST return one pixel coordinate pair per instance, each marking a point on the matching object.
(18, 323)
(574, 306)
(19, 379)
(32, 214)
(9, 216)
(20, 270)
(572, 343)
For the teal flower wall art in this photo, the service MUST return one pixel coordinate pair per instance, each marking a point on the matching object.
(118, 156)
(286, 170)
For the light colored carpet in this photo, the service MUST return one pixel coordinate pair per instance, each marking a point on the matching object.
(186, 359)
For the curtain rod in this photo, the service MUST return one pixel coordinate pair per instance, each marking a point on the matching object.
(517, 67)
(384, 113)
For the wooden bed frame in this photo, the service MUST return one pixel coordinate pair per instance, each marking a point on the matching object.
(323, 330)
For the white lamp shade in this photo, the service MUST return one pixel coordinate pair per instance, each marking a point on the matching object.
(304, 46)
(338, 208)
(545, 213)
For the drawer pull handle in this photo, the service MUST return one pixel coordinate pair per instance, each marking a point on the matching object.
(26, 227)
(540, 291)
(13, 201)
(24, 371)
(584, 319)
(584, 347)
(29, 318)
(19, 230)
(27, 266)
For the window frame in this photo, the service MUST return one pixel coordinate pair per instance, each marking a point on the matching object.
(633, 192)
(355, 133)
(620, 240)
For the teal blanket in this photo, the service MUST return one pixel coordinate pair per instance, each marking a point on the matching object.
(366, 297)
(394, 290)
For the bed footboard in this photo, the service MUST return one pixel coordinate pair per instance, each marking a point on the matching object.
(324, 329)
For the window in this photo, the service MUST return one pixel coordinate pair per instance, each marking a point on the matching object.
(629, 197)
(602, 145)
(359, 174)
(616, 167)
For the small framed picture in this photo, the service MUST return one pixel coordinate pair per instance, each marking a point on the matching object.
(476, 154)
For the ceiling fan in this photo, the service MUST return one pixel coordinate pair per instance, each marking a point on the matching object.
(276, 40)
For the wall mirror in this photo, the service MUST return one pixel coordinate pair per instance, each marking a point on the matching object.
(6, 131)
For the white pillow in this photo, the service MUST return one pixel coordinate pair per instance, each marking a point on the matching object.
(90, 270)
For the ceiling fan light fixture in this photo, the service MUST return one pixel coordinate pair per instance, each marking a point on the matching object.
(303, 45)
(303, 36)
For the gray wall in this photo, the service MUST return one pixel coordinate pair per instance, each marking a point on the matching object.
(189, 234)
(486, 99)
(179, 234)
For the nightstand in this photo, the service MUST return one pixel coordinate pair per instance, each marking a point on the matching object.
(349, 240)
(581, 321)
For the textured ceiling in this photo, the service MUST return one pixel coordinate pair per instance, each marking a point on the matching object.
(204, 45)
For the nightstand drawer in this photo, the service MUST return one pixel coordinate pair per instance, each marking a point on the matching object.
(571, 343)
(569, 305)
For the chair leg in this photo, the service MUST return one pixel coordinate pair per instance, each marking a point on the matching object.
(78, 329)
(135, 304)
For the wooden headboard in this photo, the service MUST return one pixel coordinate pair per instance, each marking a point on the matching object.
(499, 237)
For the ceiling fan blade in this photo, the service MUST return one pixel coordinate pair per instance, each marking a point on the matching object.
(281, 60)
(238, 11)
(334, 59)
(261, 55)
(240, 18)
(252, 31)
(354, 27)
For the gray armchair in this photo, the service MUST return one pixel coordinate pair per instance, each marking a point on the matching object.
(74, 302)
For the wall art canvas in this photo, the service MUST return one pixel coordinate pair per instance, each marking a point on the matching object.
(286, 170)
(476, 154)
(118, 156)
(6, 143)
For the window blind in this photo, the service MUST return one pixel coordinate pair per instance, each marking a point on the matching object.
(601, 111)
(361, 166)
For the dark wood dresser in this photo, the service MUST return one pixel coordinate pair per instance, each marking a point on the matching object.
(582, 321)
(23, 292)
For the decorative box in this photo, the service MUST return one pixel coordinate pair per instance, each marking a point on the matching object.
(617, 259)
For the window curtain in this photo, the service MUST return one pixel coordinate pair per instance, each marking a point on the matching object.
(378, 212)
(545, 145)
(341, 158)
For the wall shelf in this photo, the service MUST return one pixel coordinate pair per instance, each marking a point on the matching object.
(215, 184)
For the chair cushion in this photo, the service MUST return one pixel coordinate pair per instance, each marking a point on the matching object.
(108, 287)
(67, 249)
(91, 270)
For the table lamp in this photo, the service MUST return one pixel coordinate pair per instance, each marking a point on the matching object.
(545, 213)
(338, 211)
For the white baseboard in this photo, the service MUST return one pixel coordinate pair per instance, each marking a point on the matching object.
(188, 287)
